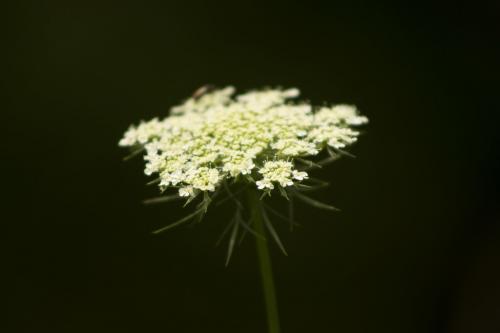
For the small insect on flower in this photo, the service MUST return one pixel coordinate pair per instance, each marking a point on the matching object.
(264, 139)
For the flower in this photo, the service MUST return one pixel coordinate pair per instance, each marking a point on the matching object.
(280, 172)
(258, 136)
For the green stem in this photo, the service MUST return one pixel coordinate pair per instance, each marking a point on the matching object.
(266, 270)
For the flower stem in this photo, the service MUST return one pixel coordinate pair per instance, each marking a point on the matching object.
(264, 258)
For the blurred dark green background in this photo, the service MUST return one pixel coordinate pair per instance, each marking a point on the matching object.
(415, 248)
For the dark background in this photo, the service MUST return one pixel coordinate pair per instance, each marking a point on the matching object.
(415, 248)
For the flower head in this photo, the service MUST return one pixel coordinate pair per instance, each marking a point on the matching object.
(258, 137)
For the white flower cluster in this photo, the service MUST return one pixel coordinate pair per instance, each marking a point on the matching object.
(216, 136)
(280, 172)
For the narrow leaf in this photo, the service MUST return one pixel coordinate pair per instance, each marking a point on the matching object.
(205, 202)
(304, 187)
(315, 185)
(283, 193)
(308, 163)
(134, 153)
(291, 213)
(162, 199)
(278, 214)
(224, 233)
(273, 232)
(153, 182)
(314, 202)
(191, 198)
(247, 227)
(339, 151)
(226, 198)
(266, 192)
(322, 163)
(242, 237)
(328, 160)
(316, 182)
(179, 222)
(232, 196)
(232, 241)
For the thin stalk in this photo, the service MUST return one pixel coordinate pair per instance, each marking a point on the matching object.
(264, 258)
